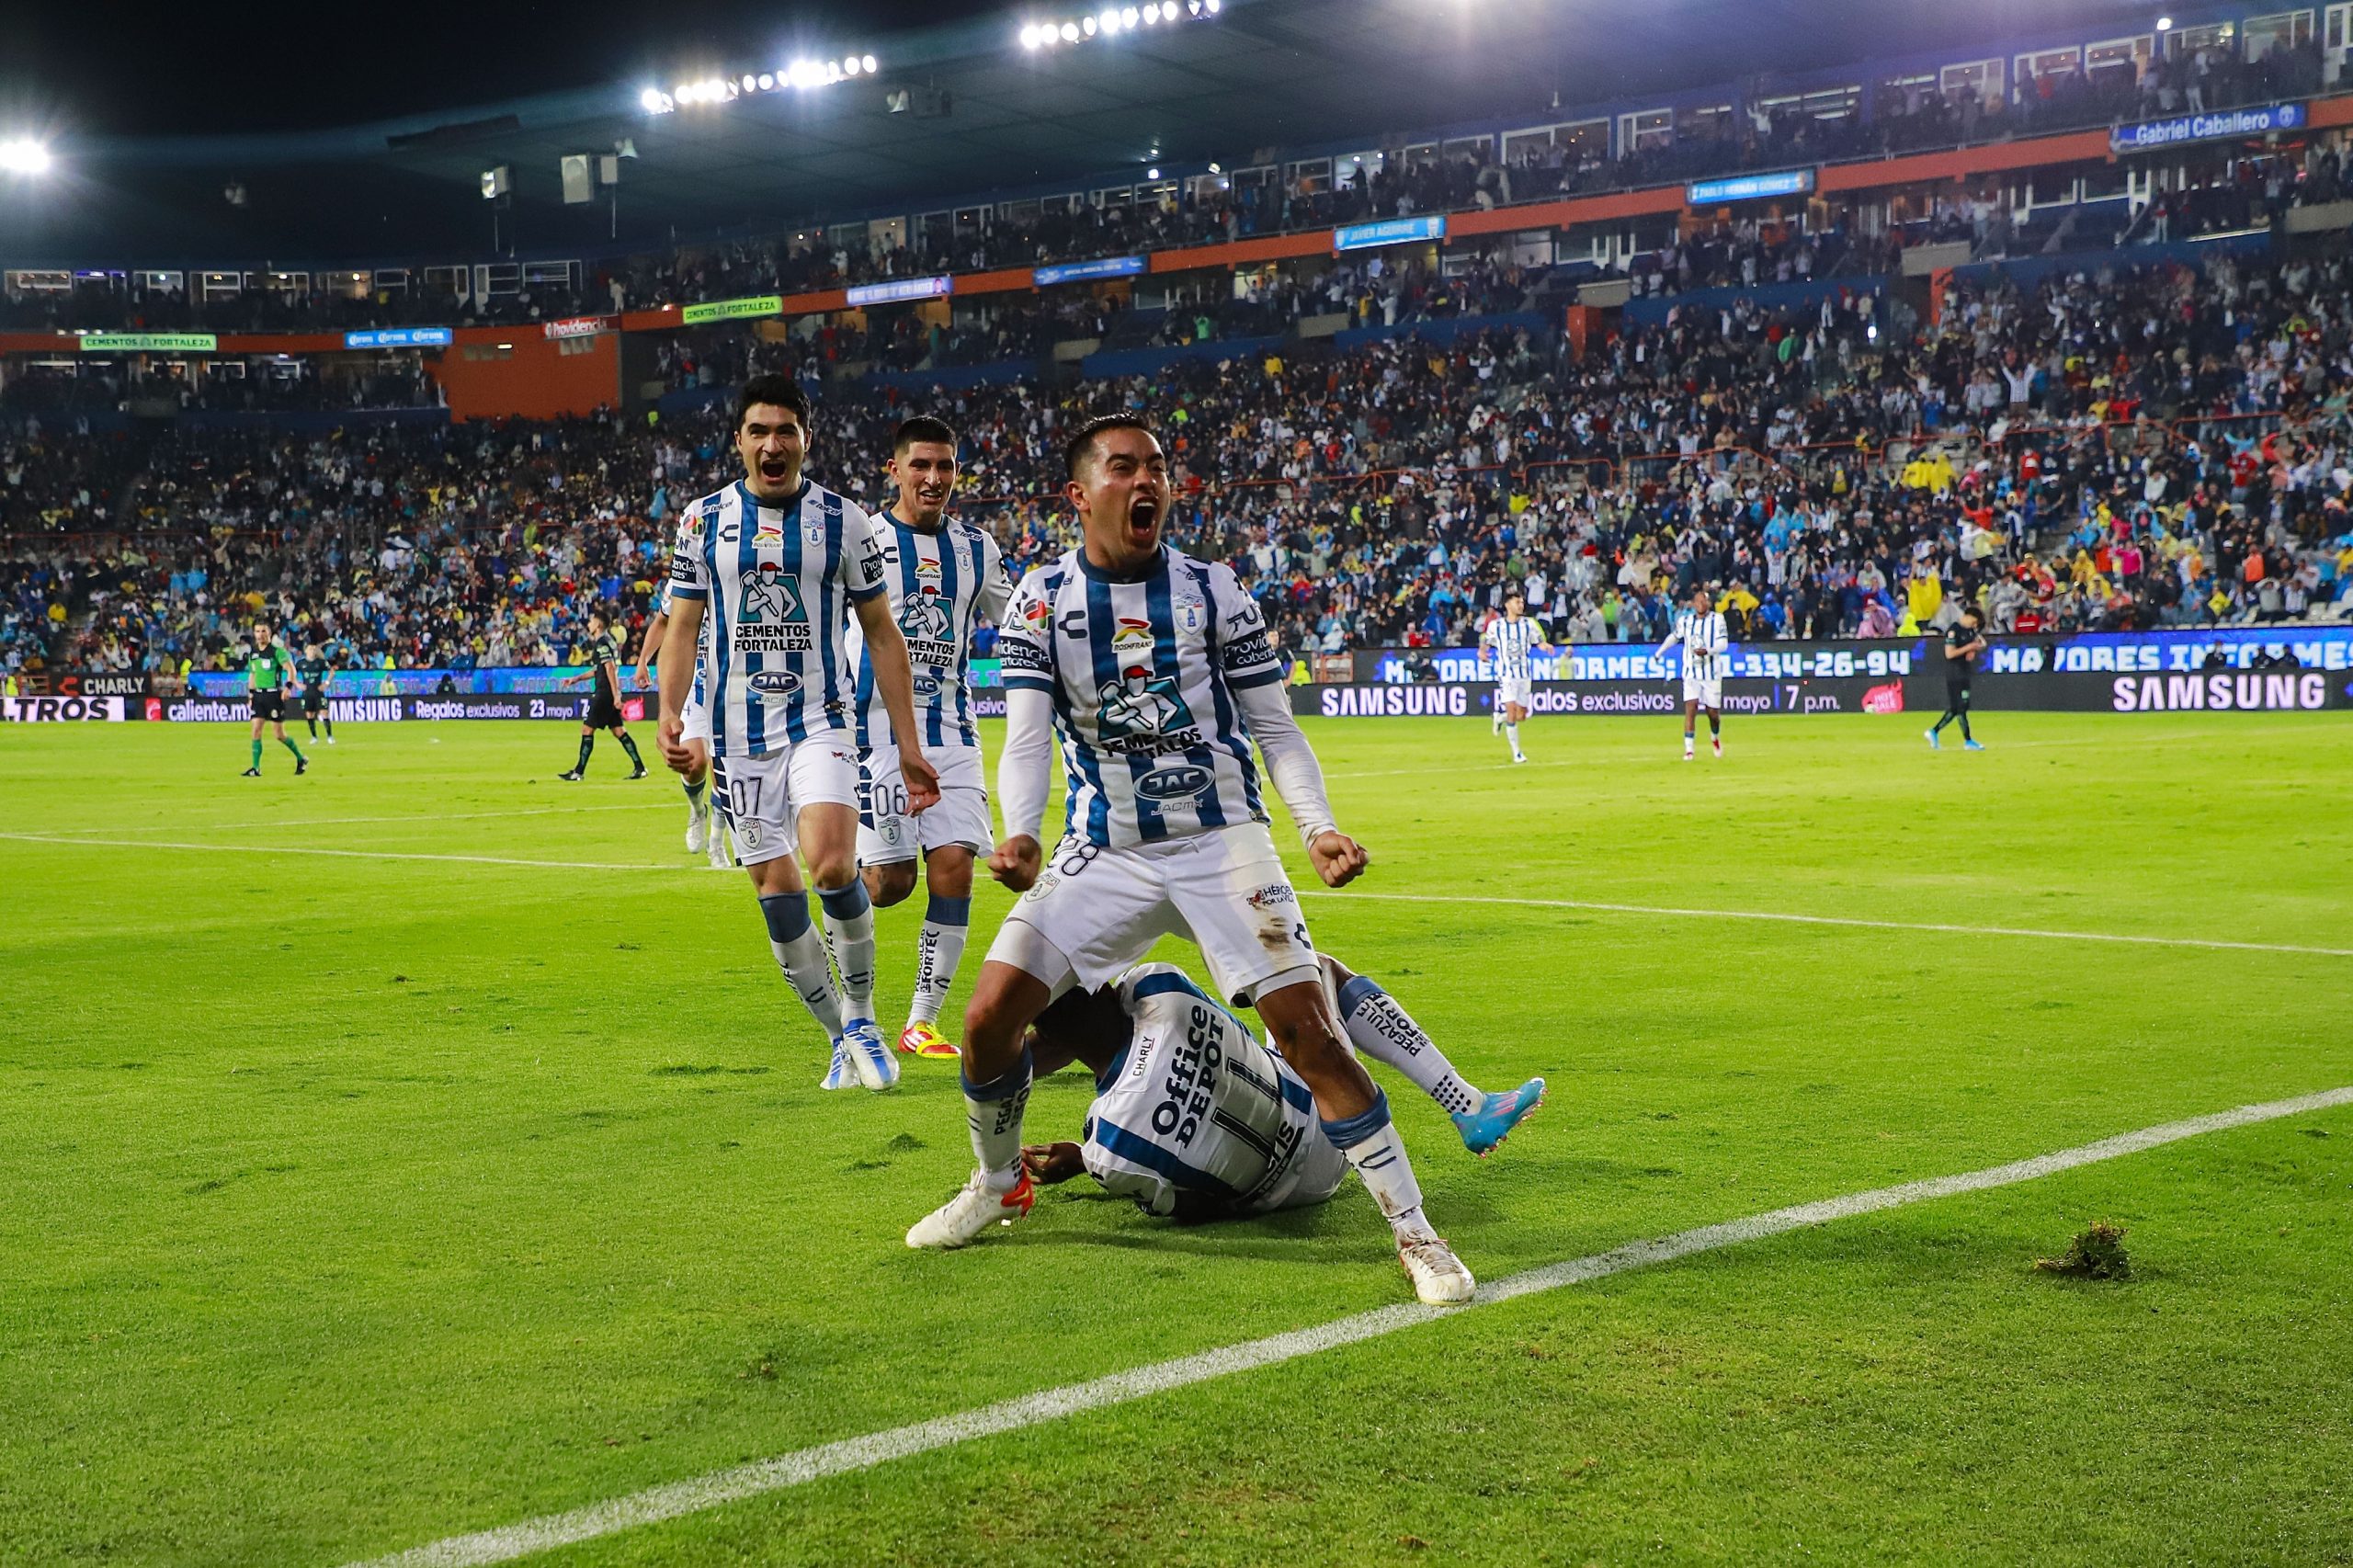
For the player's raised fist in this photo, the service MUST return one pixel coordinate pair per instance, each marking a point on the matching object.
(671, 738)
(1338, 859)
(920, 779)
(1016, 862)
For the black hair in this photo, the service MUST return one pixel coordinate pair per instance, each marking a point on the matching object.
(781, 392)
(1074, 449)
(920, 428)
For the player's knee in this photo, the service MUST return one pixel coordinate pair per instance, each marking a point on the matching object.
(887, 885)
(995, 1020)
(832, 869)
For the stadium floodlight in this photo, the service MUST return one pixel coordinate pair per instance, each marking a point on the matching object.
(1028, 38)
(1152, 173)
(767, 81)
(1130, 16)
(1070, 32)
(1211, 6)
(1086, 25)
(852, 65)
(1152, 13)
(2164, 24)
(866, 62)
(23, 155)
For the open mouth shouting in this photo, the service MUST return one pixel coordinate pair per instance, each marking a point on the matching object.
(1144, 513)
(775, 468)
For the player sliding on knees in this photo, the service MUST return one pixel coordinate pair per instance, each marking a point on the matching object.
(1513, 639)
(703, 835)
(1157, 669)
(1193, 1118)
(779, 564)
(1700, 631)
(604, 701)
(941, 577)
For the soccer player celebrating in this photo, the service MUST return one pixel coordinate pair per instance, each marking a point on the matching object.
(1965, 641)
(940, 576)
(1254, 1144)
(701, 834)
(267, 669)
(1157, 668)
(778, 565)
(604, 703)
(316, 674)
(1511, 639)
(1700, 631)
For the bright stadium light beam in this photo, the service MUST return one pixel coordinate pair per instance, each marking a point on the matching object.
(23, 156)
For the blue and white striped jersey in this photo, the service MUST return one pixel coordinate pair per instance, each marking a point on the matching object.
(779, 582)
(940, 585)
(1704, 644)
(1513, 643)
(1194, 1106)
(1143, 674)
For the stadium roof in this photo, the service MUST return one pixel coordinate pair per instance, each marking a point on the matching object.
(1262, 73)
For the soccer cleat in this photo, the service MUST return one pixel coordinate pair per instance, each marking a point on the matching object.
(720, 859)
(1934, 744)
(839, 1075)
(301, 766)
(640, 771)
(1519, 757)
(1440, 1278)
(250, 773)
(922, 1038)
(862, 1043)
(1484, 1130)
(977, 1207)
(697, 830)
(572, 776)
(1972, 746)
(1719, 747)
(330, 740)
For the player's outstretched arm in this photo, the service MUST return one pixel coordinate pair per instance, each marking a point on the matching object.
(1021, 784)
(896, 680)
(681, 649)
(1299, 780)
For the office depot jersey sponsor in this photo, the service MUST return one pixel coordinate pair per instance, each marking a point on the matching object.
(1143, 674)
(778, 582)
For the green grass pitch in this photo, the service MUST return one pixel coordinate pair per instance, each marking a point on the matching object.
(350, 1201)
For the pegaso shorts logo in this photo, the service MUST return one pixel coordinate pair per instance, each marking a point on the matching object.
(1173, 783)
(1271, 895)
(774, 683)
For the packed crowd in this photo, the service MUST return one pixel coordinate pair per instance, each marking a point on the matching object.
(2098, 449)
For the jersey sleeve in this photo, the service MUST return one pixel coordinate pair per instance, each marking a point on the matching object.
(997, 584)
(689, 580)
(1238, 633)
(1025, 638)
(861, 553)
(1152, 1193)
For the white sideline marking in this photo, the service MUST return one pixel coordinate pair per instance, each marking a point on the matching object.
(268, 849)
(668, 1502)
(411, 817)
(1839, 920)
(1667, 910)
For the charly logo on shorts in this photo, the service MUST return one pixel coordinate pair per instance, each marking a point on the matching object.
(1174, 783)
(773, 683)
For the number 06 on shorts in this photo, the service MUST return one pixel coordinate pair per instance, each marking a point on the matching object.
(1224, 889)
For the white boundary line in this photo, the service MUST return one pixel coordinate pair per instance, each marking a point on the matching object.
(270, 849)
(420, 821)
(803, 1465)
(1838, 920)
(1451, 899)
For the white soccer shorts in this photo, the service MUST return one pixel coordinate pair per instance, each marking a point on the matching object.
(768, 794)
(1103, 909)
(888, 835)
(1520, 692)
(693, 721)
(1706, 693)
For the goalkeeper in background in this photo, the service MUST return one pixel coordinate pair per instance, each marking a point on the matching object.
(267, 671)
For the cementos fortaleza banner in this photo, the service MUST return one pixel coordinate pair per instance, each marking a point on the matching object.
(2088, 653)
(2238, 691)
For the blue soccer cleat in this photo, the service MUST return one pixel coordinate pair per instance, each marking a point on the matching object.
(1972, 746)
(839, 1073)
(1484, 1130)
(1934, 744)
(871, 1060)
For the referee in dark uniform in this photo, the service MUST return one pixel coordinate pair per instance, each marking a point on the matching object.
(1964, 643)
(604, 701)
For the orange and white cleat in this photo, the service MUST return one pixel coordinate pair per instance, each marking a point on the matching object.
(977, 1206)
(923, 1038)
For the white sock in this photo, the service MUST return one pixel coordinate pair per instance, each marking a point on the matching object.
(940, 948)
(849, 924)
(1381, 1029)
(802, 955)
(1495, 721)
(1511, 733)
(992, 1112)
(1371, 1142)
